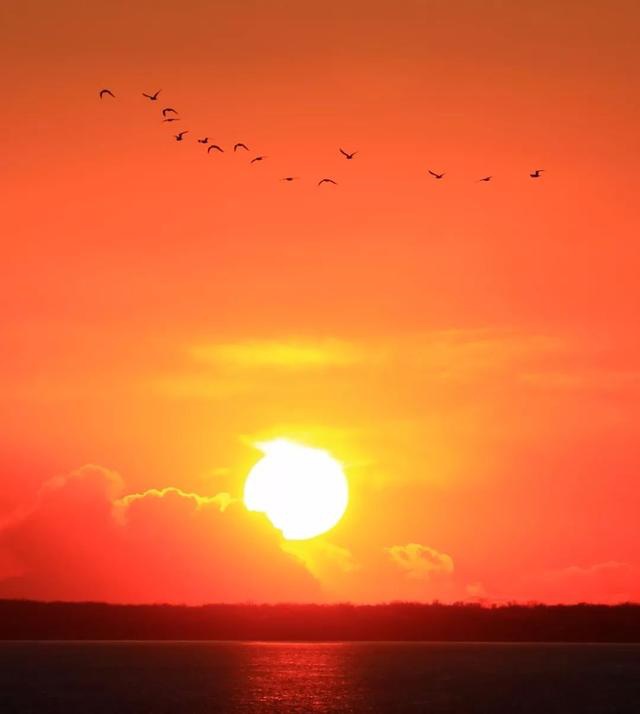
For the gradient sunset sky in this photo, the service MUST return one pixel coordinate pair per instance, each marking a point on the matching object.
(469, 351)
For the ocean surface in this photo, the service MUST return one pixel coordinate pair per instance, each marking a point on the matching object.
(190, 677)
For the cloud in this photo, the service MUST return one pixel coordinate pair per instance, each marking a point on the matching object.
(123, 505)
(325, 560)
(409, 572)
(609, 581)
(221, 370)
(625, 381)
(84, 539)
(88, 485)
(476, 591)
(280, 354)
(610, 566)
(442, 358)
(482, 348)
(448, 353)
(419, 562)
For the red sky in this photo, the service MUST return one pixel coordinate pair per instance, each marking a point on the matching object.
(476, 345)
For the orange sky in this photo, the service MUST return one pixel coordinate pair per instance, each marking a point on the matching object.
(475, 345)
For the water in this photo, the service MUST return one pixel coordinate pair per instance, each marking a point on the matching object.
(188, 677)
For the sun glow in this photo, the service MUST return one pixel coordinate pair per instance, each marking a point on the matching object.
(303, 491)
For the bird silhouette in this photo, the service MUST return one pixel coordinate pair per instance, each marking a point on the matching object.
(170, 114)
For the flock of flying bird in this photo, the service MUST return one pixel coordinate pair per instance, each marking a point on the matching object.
(169, 115)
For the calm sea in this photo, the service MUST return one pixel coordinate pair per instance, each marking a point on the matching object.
(156, 677)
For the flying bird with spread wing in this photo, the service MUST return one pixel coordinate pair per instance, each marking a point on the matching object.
(168, 110)
(486, 179)
(106, 92)
(214, 147)
(168, 119)
(258, 158)
(240, 145)
(327, 180)
(180, 136)
(204, 140)
(537, 173)
(435, 175)
(152, 97)
(348, 155)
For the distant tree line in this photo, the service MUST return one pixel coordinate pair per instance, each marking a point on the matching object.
(463, 622)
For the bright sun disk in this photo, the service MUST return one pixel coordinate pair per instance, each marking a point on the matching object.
(302, 490)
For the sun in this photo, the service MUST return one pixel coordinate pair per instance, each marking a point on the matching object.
(302, 490)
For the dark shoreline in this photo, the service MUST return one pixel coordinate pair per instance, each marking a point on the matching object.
(24, 620)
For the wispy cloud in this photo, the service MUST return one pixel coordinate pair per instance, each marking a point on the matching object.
(455, 356)
(280, 354)
(420, 562)
(324, 560)
(606, 380)
(608, 581)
